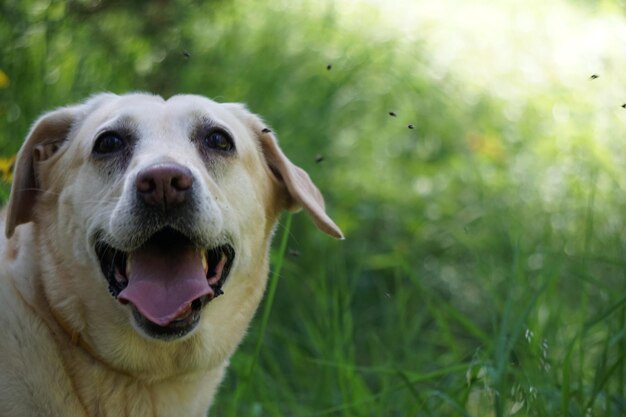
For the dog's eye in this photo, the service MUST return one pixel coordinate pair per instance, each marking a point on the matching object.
(219, 140)
(108, 142)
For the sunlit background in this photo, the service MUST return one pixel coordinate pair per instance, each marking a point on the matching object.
(472, 151)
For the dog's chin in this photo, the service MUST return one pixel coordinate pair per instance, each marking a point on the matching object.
(165, 282)
(182, 326)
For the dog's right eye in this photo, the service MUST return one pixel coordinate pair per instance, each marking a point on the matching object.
(219, 140)
(108, 142)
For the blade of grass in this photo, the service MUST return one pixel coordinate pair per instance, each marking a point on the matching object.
(602, 380)
(584, 303)
(621, 391)
(600, 318)
(413, 376)
(454, 314)
(267, 309)
(376, 396)
(506, 344)
(414, 392)
(449, 400)
(567, 371)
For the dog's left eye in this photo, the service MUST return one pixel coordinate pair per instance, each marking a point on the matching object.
(219, 140)
(108, 142)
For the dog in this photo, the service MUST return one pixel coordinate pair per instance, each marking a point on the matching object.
(136, 253)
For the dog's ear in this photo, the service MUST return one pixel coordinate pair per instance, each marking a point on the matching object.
(42, 142)
(300, 191)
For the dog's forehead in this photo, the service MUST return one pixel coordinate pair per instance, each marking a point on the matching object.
(150, 111)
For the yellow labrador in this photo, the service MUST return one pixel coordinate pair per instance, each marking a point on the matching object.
(137, 246)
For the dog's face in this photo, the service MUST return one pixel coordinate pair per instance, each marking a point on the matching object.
(146, 212)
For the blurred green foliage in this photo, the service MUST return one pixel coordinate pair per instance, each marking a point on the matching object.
(483, 273)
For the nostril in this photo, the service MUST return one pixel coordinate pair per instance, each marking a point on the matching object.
(182, 182)
(145, 184)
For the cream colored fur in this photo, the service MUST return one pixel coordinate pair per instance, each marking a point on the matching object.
(68, 348)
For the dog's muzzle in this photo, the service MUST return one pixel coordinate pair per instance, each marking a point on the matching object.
(169, 277)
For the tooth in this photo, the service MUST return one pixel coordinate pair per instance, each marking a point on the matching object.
(127, 272)
(205, 263)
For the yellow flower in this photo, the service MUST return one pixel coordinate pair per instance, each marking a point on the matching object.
(6, 168)
(4, 79)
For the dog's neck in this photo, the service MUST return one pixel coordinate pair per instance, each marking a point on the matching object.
(19, 253)
(68, 338)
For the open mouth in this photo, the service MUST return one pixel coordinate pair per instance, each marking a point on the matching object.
(167, 280)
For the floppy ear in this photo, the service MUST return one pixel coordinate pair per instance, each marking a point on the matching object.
(41, 143)
(302, 192)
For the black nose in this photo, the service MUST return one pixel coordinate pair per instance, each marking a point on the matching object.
(164, 185)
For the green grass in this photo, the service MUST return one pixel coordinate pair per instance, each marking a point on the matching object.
(483, 272)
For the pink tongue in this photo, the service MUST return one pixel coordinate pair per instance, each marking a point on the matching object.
(163, 282)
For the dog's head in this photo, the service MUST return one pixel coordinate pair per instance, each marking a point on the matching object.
(147, 210)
